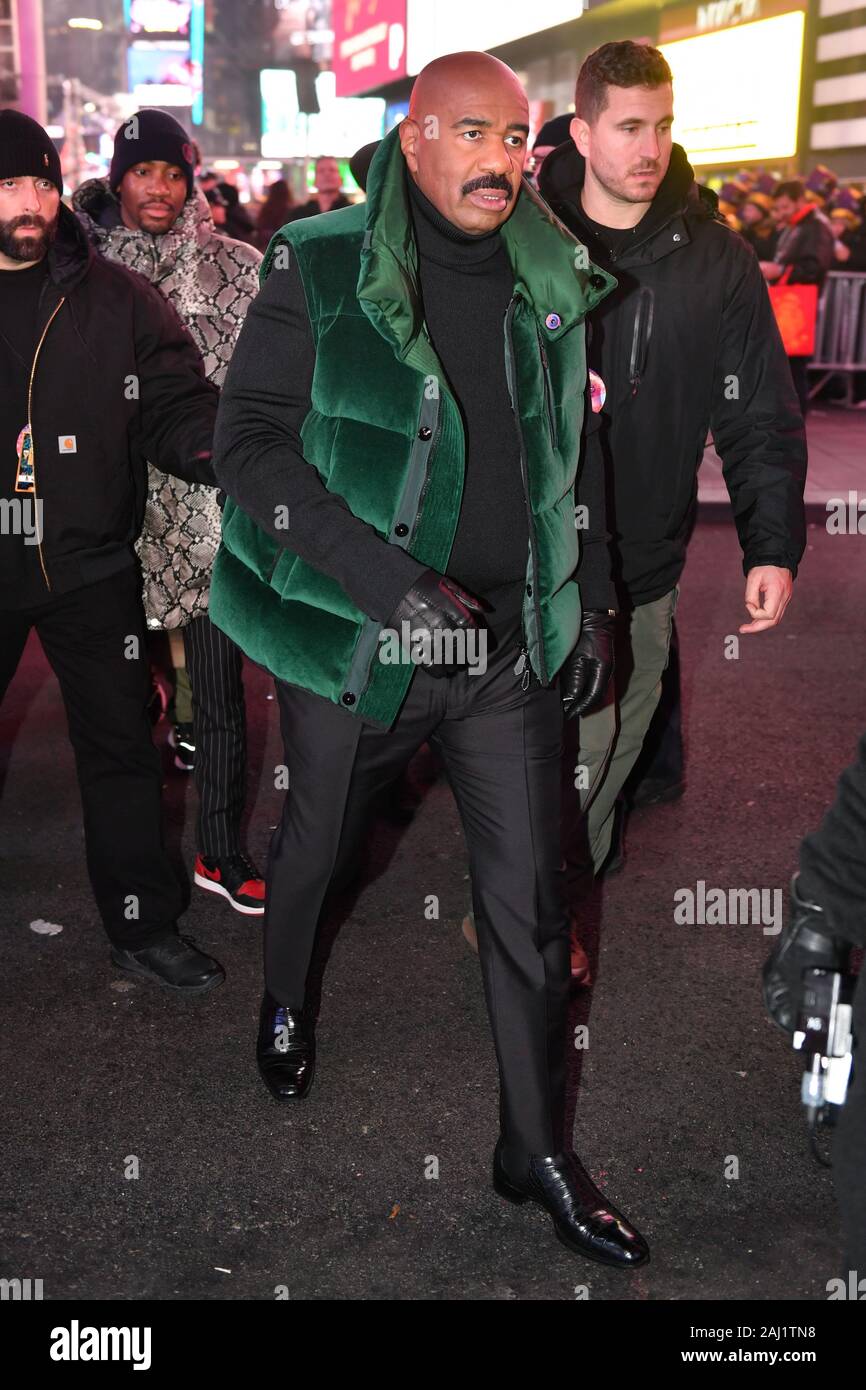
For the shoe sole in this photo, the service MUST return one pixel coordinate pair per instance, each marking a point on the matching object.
(211, 887)
(290, 1100)
(151, 978)
(517, 1198)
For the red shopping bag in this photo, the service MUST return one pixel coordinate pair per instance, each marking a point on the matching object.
(796, 310)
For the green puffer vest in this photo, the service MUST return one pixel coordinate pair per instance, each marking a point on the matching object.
(384, 432)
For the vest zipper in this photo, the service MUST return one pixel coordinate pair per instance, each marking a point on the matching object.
(522, 667)
(362, 662)
(423, 493)
(511, 379)
(57, 309)
(548, 390)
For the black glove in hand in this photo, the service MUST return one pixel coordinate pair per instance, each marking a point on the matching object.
(586, 672)
(435, 604)
(806, 943)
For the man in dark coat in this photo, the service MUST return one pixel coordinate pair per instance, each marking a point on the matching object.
(803, 255)
(96, 375)
(686, 342)
(329, 195)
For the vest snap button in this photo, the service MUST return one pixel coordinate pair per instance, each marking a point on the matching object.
(597, 282)
(529, 590)
(401, 530)
(348, 698)
(425, 432)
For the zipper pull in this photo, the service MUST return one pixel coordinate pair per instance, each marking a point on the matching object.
(523, 666)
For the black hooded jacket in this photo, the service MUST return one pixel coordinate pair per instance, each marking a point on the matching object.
(687, 342)
(115, 381)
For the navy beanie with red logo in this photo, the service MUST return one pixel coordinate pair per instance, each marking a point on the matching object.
(149, 135)
(26, 150)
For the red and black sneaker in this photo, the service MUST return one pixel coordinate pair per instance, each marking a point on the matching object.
(235, 877)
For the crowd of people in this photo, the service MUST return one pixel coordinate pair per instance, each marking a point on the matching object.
(396, 419)
(760, 208)
(278, 206)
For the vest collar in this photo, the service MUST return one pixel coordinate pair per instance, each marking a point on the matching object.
(552, 270)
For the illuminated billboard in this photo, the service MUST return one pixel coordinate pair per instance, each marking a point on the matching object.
(159, 17)
(161, 74)
(434, 27)
(165, 68)
(342, 125)
(369, 44)
(737, 91)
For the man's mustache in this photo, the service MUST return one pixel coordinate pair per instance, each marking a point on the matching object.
(497, 183)
(25, 221)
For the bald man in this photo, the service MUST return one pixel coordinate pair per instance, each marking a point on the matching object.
(399, 438)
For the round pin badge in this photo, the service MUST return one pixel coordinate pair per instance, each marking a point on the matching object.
(597, 391)
(552, 321)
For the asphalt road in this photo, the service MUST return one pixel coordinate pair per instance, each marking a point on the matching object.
(236, 1197)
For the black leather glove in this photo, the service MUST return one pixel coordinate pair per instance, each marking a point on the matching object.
(806, 943)
(586, 672)
(435, 604)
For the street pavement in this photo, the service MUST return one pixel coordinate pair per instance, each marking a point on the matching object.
(378, 1186)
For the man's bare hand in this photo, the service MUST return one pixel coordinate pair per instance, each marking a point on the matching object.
(768, 593)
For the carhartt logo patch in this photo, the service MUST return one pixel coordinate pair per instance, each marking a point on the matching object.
(66, 443)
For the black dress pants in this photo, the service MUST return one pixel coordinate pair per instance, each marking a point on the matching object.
(501, 746)
(95, 642)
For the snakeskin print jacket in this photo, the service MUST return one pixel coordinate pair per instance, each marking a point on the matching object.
(210, 281)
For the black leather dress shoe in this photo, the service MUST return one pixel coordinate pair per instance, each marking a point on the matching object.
(286, 1050)
(584, 1220)
(173, 963)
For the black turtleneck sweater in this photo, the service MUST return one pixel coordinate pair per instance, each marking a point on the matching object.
(466, 286)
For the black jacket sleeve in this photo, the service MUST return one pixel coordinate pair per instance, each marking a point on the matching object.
(757, 427)
(259, 459)
(593, 573)
(177, 403)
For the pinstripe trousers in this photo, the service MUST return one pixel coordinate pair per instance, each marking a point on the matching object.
(214, 665)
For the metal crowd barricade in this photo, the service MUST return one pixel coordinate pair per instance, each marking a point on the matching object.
(840, 332)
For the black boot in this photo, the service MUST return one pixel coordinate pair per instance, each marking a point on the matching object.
(807, 942)
(173, 963)
(286, 1050)
(584, 1220)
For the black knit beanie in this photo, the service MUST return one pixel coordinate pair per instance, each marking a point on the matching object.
(26, 150)
(151, 134)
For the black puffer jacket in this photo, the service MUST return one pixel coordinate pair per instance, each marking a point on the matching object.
(116, 380)
(686, 342)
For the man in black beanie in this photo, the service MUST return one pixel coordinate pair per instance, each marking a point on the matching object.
(149, 216)
(157, 137)
(96, 376)
(551, 134)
